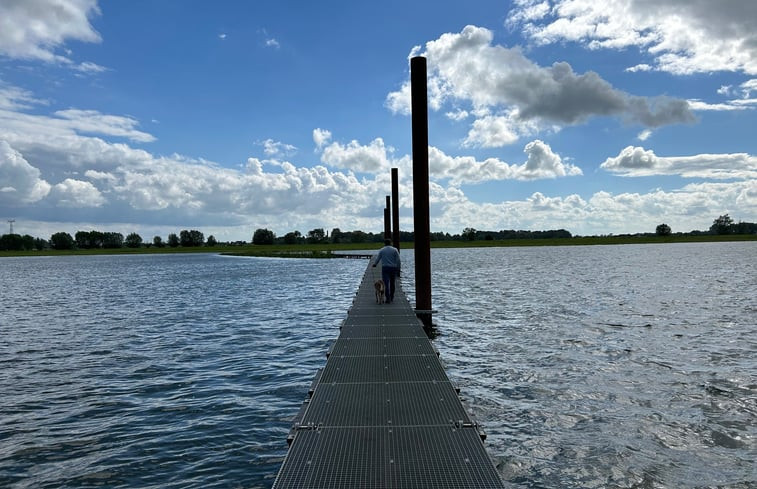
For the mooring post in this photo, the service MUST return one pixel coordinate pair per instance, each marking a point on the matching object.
(388, 219)
(419, 104)
(395, 208)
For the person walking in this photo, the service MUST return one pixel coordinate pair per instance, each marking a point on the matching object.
(389, 256)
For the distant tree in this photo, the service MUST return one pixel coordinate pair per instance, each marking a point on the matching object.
(317, 235)
(292, 237)
(358, 236)
(40, 244)
(211, 241)
(191, 238)
(133, 240)
(663, 230)
(722, 225)
(337, 236)
(89, 239)
(263, 237)
(62, 241)
(113, 240)
(82, 239)
(157, 241)
(469, 234)
(11, 242)
(173, 240)
(745, 228)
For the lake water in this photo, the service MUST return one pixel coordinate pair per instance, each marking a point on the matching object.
(615, 366)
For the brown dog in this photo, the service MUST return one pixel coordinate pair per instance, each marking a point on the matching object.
(380, 292)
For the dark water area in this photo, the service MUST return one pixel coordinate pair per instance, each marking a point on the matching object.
(615, 366)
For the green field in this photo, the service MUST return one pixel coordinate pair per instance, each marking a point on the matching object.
(329, 250)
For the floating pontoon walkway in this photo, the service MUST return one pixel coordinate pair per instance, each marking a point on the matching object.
(382, 412)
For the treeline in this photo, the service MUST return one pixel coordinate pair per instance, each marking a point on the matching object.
(320, 236)
(87, 240)
(723, 225)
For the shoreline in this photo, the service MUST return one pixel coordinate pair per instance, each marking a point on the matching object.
(331, 250)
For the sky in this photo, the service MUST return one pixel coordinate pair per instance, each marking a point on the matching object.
(596, 117)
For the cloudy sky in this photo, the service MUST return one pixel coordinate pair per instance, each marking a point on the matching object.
(597, 117)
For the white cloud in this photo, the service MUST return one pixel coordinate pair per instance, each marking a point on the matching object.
(492, 132)
(95, 179)
(602, 212)
(356, 157)
(15, 98)
(272, 43)
(399, 101)
(76, 193)
(20, 182)
(638, 162)
(89, 67)
(683, 36)
(33, 29)
(748, 87)
(277, 148)
(699, 105)
(92, 121)
(321, 137)
(541, 163)
(512, 90)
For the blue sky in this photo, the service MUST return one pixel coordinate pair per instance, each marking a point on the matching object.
(153, 117)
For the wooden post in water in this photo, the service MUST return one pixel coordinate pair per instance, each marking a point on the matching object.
(419, 104)
(395, 208)
(388, 219)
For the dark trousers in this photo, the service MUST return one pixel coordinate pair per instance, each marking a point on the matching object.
(389, 276)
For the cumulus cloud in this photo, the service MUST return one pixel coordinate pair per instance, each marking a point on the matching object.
(492, 132)
(638, 162)
(321, 137)
(356, 157)
(467, 67)
(541, 163)
(33, 29)
(104, 181)
(603, 212)
(76, 193)
(20, 182)
(683, 36)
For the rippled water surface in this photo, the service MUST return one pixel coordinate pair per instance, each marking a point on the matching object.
(159, 371)
(617, 366)
(607, 366)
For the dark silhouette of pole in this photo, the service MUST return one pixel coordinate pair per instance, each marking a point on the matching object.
(419, 103)
(395, 208)
(388, 219)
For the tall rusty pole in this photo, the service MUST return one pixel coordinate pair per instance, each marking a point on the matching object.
(419, 104)
(395, 208)
(387, 219)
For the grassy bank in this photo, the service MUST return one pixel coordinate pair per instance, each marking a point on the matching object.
(332, 250)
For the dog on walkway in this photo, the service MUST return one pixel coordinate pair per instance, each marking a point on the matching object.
(380, 291)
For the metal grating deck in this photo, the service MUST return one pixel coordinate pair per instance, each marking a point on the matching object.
(382, 412)
(385, 458)
(386, 404)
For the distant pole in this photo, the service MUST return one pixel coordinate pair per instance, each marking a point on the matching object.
(11, 221)
(395, 208)
(387, 219)
(419, 104)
